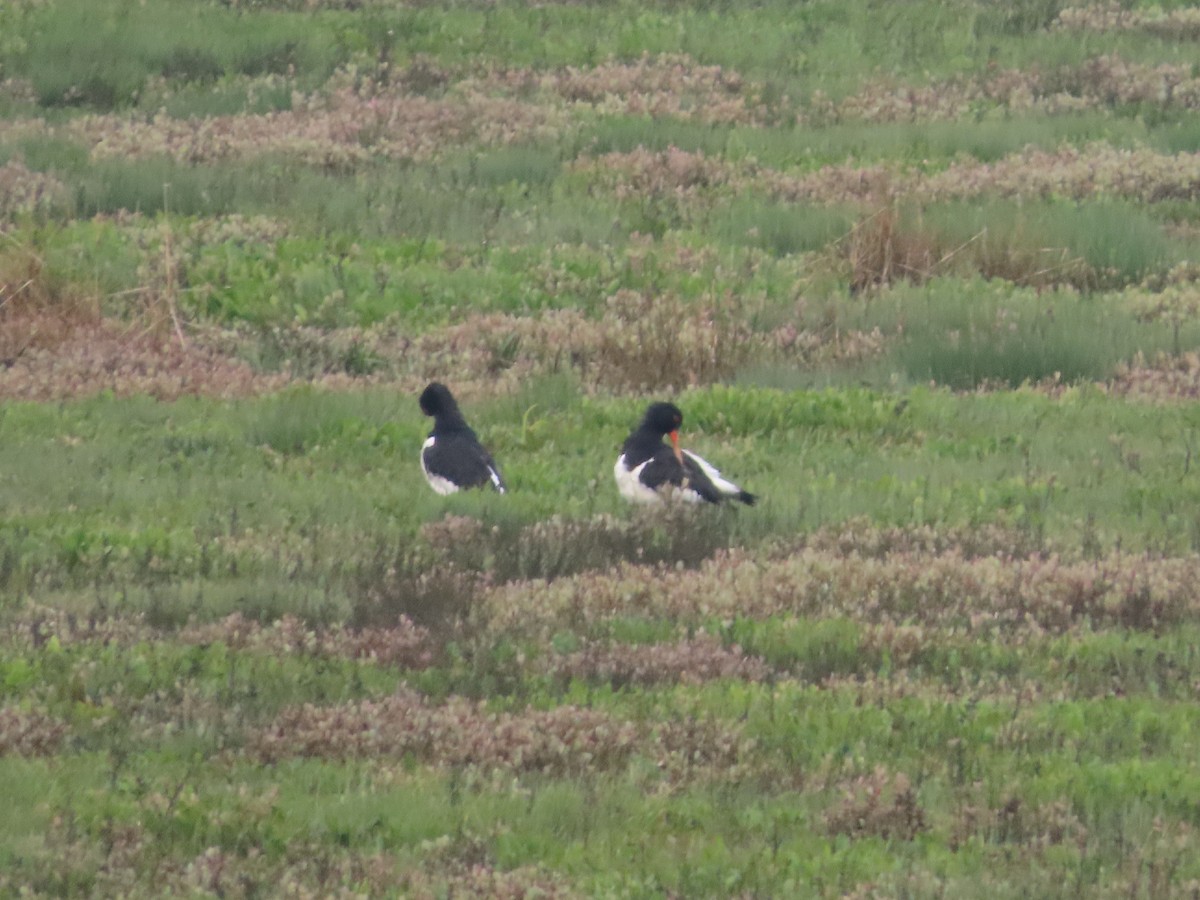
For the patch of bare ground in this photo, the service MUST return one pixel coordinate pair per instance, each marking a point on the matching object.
(690, 661)
(670, 85)
(45, 360)
(439, 582)
(692, 176)
(50, 354)
(882, 804)
(1173, 24)
(997, 593)
(354, 119)
(46, 355)
(1015, 821)
(23, 191)
(128, 860)
(462, 734)
(13, 130)
(644, 341)
(679, 87)
(337, 129)
(56, 344)
(30, 733)
(18, 90)
(1098, 169)
(1077, 173)
(1100, 82)
(1166, 377)
(403, 644)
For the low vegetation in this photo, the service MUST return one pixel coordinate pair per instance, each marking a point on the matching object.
(923, 278)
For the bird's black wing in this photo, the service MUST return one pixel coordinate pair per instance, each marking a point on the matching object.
(461, 459)
(663, 468)
(697, 479)
(706, 477)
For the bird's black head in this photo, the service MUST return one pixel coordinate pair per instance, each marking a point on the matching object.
(437, 400)
(662, 418)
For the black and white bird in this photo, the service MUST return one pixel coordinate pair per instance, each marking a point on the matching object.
(648, 468)
(452, 458)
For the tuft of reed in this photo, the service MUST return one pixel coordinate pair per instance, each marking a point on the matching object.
(1087, 246)
(37, 309)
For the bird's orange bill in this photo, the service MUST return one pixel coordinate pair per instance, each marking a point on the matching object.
(675, 441)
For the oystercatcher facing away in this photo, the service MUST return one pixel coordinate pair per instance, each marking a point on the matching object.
(647, 468)
(452, 458)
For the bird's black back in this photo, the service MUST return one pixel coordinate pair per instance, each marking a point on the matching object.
(457, 456)
(664, 468)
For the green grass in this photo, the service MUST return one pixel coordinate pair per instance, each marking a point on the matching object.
(249, 94)
(780, 228)
(962, 335)
(607, 833)
(418, 280)
(950, 652)
(102, 57)
(1115, 239)
(307, 483)
(78, 53)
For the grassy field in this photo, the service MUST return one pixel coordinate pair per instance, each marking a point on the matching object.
(924, 276)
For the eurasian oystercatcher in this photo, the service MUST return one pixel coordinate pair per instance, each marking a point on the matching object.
(452, 458)
(647, 465)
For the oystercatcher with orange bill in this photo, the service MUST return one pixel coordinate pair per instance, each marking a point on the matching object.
(648, 470)
(452, 458)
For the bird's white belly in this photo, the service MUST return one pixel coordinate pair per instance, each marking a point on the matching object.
(441, 485)
(630, 485)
